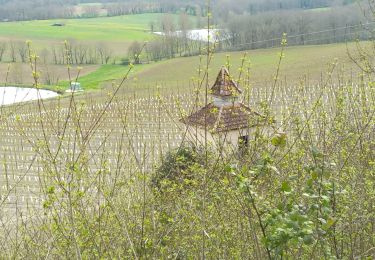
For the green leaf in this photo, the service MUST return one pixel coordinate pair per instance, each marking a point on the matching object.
(274, 169)
(285, 187)
(330, 222)
(51, 190)
(308, 240)
(316, 152)
(228, 169)
(279, 140)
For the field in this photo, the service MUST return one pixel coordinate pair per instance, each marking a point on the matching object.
(151, 123)
(149, 126)
(263, 64)
(122, 28)
(179, 71)
(114, 32)
(321, 9)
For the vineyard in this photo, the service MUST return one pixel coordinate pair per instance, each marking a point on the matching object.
(112, 172)
(143, 128)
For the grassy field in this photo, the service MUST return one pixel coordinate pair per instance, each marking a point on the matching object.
(263, 64)
(319, 9)
(117, 33)
(106, 74)
(121, 28)
(90, 4)
(300, 63)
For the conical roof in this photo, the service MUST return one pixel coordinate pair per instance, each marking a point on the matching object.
(228, 117)
(224, 85)
(224, 119)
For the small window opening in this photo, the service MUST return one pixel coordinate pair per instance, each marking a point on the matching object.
(243, 141)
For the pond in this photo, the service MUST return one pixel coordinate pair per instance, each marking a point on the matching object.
(12, 95)
(201, 34)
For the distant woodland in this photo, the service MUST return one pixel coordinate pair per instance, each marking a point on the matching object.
(46, 9)
(247, 24)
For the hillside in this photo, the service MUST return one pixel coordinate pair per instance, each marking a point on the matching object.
(256, 145)
(300, 63)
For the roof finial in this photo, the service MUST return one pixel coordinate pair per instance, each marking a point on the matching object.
(224, 85)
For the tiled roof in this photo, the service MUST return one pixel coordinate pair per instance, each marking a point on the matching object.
(224, 85)
(225, 118)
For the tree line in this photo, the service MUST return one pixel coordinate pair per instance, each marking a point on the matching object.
(254, 31)
(302, 27)
(70, 53)
(223, 7)
(21, 10)
(42, 9)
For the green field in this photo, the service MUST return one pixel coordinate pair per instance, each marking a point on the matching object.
(300, 62)
(121, 28)
(90, 4)
(320, 9)
(307, 62)
(107, 74)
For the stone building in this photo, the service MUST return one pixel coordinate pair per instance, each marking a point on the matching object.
(226, 119)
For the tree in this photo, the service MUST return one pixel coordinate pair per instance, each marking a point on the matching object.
(17, 73)
(55, 55)
(303, 23)
(44, 54)
(91, 11)
(134, 52)
(22, 51)
(13, 55)
(167, 24)
(3, 47)
(152, 26)
(155, 50)
(104, 52)
(185, 26)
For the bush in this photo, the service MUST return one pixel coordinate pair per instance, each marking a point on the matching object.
(125, 61)
(178, 168)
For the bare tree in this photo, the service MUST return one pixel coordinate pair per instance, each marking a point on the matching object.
(303, 24)
(54, 55)
(152, 26)
(185, 26)
(170, 39)
(91, 11)
(17, 73)
(13, 55)
(44, 55)
(80, 53)
(49, 75)
(22, 51)
(155, 50)
(68, 12)
(3, 47)
(134, 51)
(92, 56)
(104, 52)
(167, 24)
